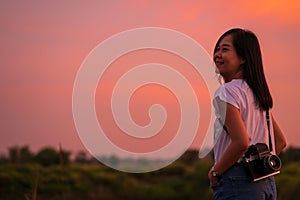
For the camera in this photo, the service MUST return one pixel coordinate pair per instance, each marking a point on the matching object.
(260, 162)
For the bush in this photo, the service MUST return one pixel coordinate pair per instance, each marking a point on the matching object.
(179, 180)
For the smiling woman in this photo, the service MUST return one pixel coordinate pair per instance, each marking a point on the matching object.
(247, 101)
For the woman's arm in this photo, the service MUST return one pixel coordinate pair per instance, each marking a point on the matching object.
(280, 140)
(239, 141)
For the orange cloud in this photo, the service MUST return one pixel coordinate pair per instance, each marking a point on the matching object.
(190, 13)
(279, 10)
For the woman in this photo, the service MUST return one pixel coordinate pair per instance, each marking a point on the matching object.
(237, 57)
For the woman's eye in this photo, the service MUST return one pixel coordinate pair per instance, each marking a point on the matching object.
(224, 49)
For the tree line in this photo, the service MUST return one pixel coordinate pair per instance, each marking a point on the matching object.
(50, 156)
(46, 156)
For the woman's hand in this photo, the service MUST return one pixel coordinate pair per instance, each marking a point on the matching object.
(212, 180)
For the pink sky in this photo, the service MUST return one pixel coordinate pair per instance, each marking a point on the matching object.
(43, 45)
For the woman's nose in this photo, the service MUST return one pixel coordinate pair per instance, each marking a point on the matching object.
(217, 55)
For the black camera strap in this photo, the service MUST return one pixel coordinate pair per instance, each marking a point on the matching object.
(268, 123)
(269, 132)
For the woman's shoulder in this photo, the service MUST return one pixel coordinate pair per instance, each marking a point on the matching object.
(237, 85)
(236, 88)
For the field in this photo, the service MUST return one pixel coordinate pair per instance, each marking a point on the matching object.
(180, 180)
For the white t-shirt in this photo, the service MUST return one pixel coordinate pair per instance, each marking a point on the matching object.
(239, 94)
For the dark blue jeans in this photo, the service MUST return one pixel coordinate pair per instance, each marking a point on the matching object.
(234, 184)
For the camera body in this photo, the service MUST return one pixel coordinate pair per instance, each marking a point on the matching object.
(260, 162)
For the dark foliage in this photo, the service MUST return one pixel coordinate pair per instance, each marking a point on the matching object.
(184, 179)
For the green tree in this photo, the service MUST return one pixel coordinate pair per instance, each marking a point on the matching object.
(64, 156)
(14, 154)
(81, 157)
(26, 156)
(47, 156)
(291, 154)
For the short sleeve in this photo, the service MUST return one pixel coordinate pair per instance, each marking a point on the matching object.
(229, 94)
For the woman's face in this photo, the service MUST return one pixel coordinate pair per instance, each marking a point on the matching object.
(226, 59)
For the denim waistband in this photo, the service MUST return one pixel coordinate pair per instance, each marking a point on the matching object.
(236, 169)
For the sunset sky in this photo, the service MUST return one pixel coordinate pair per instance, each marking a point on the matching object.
(44, 43)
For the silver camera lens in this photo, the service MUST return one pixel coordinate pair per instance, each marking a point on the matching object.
(272, 163)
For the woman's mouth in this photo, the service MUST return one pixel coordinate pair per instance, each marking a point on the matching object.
(219, 63)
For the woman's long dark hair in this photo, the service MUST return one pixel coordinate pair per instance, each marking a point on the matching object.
(247, 47)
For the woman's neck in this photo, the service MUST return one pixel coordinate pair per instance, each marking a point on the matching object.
(229, 77)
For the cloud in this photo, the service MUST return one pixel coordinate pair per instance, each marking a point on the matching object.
(278, 12)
